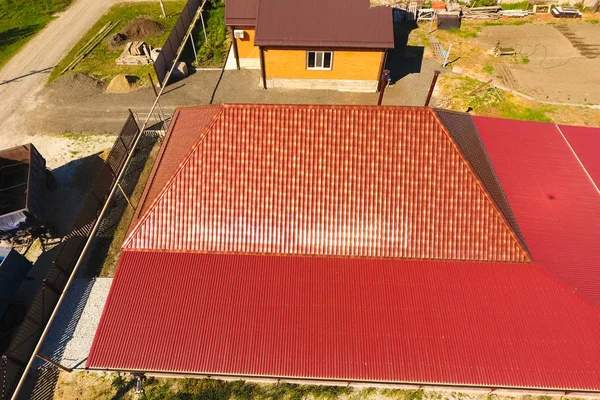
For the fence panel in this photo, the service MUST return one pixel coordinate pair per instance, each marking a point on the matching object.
(28, 334)
(167, 55)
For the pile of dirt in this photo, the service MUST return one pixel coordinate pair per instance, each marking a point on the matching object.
(142, 28)
(78, 83)
(116, 41)
(122, 84)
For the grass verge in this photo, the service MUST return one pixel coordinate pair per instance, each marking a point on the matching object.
(21, 20)
(91, 386)
(100, 63)
(468, 93)
(212, 50)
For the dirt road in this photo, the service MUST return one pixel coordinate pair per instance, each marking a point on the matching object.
(26, 73)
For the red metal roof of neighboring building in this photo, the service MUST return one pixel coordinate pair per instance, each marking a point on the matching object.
(241, 12)
(552, 196)
(327, 180)
(324, 23)
(488, 324)
(585, 143)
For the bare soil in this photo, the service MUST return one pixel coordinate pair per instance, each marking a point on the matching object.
(563, 60)
(142, 28)
(555, 61)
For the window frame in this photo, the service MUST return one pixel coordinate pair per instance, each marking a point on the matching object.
(315, 68)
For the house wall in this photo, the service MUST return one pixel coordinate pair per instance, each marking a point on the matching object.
(347, 65)
(246, 47)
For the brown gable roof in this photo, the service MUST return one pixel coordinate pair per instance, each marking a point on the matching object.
(328, 180)
(241, 12)
(324, 23)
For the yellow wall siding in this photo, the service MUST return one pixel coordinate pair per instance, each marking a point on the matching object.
(246, 47)
(291, 64)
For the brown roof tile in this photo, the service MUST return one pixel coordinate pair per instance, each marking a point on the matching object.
(241, 12)
(324, 23)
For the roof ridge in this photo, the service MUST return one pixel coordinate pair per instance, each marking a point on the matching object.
(180, 168)
(481, 186)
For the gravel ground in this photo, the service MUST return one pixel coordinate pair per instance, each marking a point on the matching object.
(70, 338)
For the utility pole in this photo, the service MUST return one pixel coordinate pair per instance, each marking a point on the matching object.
(385, 80)
(433, 81)
(162, 7)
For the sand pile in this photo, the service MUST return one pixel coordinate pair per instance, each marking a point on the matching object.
(122, 84)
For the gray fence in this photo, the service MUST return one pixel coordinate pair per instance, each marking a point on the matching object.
(14, 361)
(167, 55)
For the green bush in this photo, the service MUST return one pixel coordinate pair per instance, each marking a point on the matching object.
(212, 51)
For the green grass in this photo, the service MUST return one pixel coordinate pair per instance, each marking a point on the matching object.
(593, 21)
(20, 20)
(508, 22)
(495, 102)
(212, 52)
(525, 60)
(100, 63)
(489, 68)
(466, 32)
(515, 6)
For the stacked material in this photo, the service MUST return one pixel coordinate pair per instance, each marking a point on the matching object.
(515, 13)
(492, 12)
(566, 12)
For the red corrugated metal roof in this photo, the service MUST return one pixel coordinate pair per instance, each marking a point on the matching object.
(491, 324)
(585, 142)
(328, 180)
(553, 198)
(186, 128)
(324, 23)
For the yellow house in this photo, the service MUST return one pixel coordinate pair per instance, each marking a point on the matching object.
(324, 44)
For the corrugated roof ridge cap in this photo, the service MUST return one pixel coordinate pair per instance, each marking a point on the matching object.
(173, 178)
(156, 164)
(577, 158)
(464, 159)
(324, 106)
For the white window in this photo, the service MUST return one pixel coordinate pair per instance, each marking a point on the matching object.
(319, 59)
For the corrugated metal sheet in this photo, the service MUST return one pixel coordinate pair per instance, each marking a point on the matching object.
(556, 204)
(464, 132)
(241, 12)
(585, 142)
(319, 23)
(177, 144)
(327, 180)
(350, 319)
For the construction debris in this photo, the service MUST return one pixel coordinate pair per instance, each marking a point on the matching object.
(566, 12)
(135, 53)
(515, 13)
(492, 12)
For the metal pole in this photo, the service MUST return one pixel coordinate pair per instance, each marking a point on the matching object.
(203, 29)
(194, 48)
(384, 82)
(162, 7)
(125, 195)
(162, 115)
(101, 215)
(433, 81)
(57, 365)
(447, 56)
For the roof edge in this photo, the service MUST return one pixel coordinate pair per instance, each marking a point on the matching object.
(140, 220)
(522, 247)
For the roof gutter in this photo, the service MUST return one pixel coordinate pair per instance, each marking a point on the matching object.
(505, 390)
